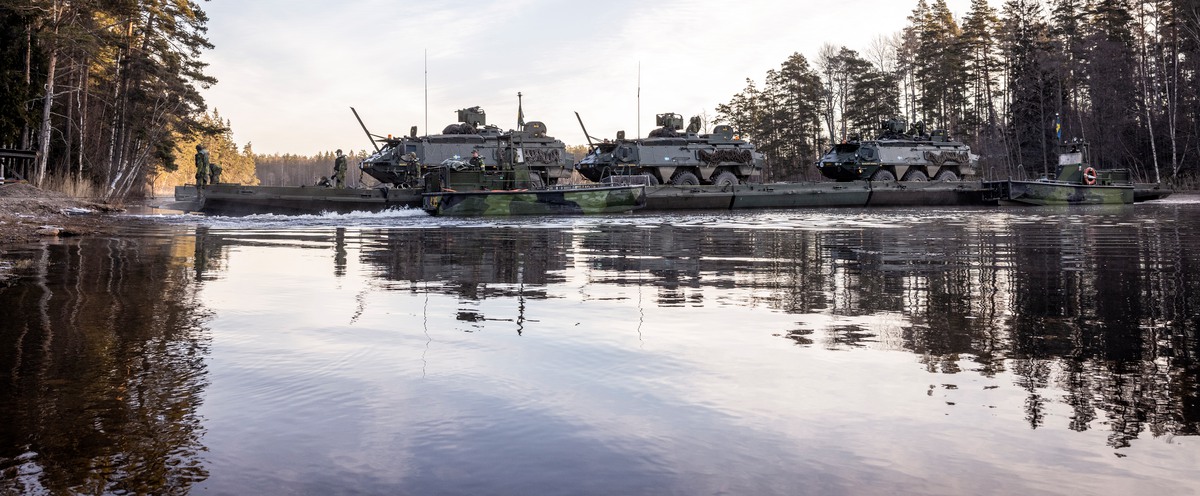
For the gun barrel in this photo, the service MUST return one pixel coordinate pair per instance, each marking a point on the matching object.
(364, 126)
(585, 133)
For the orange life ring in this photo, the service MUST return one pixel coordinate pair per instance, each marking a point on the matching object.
(1089, 176)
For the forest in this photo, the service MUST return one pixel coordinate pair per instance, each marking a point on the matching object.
(1011, 83)
(108, 92)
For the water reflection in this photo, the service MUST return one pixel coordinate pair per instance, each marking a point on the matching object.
(106, 346)
(1101, 305)
(101, 370)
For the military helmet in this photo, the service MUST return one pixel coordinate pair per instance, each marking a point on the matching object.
(339, 151)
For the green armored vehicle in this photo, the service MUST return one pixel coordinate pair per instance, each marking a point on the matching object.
(671, 156)
(895, 153)
(403, 161)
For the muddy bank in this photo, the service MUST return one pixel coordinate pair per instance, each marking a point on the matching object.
(28, 214)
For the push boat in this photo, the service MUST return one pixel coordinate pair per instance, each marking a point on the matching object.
(1075, 182)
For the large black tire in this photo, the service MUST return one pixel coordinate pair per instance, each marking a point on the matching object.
(651, 179)
(685, 178)
(725, 178)
(915, 176)
(883, 175)
(946, 175)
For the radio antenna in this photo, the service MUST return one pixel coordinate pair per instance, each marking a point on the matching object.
(426, 91)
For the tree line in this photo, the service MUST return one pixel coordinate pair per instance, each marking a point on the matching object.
(104, 90)
(290, 169)
(107, 91)
(1011, 83)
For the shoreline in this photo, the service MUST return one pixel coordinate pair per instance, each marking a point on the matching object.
(28, 214)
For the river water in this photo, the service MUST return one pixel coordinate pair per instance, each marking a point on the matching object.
(843, 351)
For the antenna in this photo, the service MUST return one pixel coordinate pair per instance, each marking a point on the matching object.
(639, 100)
(426, 91)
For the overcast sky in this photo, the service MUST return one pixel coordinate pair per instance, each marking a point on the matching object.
(289, 71)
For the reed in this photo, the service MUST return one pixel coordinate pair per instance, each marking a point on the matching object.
(1185, 183)
(72, 187)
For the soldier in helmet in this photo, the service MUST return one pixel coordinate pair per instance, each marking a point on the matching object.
(339, 169)
(214, 173)
(202, 170)
(476, 160)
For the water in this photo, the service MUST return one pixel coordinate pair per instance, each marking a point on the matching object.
(874, 351)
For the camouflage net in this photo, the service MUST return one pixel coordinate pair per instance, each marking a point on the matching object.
(460, 129)
(718, 156)
(941, 158)
(542, 156)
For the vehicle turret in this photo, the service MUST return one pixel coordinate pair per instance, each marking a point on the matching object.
(668, 156)
(900, 152)
(403, 161)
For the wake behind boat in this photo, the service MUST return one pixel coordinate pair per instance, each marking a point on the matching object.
(462, 189)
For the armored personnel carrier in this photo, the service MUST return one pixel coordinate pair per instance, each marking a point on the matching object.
(403, 161)
(669, 156)
(895, 153)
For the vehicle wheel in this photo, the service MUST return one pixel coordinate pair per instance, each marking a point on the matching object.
(651, 179)
(535, 181)
(725, 178)
(883, 175)
(915, 176)
(946, 175)
(685, 178)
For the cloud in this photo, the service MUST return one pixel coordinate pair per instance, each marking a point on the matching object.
(289, 71)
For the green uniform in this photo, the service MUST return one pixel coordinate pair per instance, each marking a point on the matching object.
(202, 170)
(214, 173)
(339, 170)
(477, 161)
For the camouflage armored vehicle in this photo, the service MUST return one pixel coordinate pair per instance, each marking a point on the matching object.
(669, 156)
(402, 161)
(895, 153)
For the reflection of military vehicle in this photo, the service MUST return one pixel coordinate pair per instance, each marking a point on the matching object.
(674, 157)
(403, 160)
(911, 156)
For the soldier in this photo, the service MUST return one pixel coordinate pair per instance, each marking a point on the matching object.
(201, 166)
(339, 169)
(476, 160)
(214, 173)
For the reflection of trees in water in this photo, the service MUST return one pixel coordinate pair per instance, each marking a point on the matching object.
(1104, 312)
(101, 371)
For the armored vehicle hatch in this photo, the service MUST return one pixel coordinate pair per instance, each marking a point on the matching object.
(908, 155)
(403, 161)
(671, 156)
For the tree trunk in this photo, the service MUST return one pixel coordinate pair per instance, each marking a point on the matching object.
(44, 133)
(83, 120)
(1146, 101)
(25, 131)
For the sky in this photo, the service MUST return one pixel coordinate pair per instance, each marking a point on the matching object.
(289, 71)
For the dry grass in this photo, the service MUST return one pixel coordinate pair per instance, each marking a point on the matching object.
(1186, 183)
(72, 187)
(576, 178)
